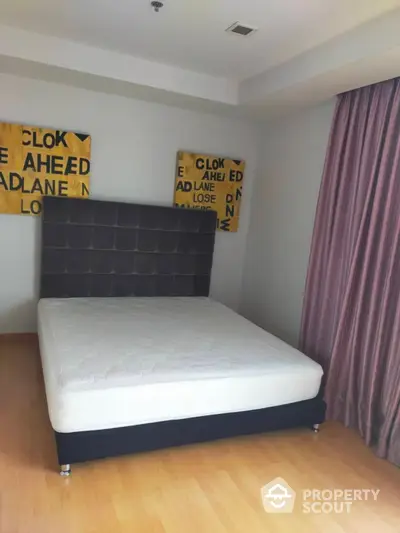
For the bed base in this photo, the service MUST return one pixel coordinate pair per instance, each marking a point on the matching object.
(85, 446)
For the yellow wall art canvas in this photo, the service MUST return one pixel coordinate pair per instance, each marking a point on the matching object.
(210, 182)
(37, 162)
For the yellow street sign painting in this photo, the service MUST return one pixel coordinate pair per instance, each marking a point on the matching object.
(210, 182)
(37, 162)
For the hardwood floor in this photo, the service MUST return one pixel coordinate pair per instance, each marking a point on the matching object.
(207, 488)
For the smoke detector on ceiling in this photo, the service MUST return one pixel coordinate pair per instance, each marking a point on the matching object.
(241, 29)
(156, 5)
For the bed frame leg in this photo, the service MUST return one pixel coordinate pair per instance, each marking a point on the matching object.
(65, 470)
(315, 428)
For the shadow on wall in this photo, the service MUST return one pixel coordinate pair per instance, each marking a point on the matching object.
(18, 302)
(275, 328)
(20, 318)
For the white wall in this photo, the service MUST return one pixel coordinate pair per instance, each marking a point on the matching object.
(292, 153)
(134, 145)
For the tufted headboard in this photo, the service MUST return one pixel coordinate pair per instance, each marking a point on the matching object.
(98, 248)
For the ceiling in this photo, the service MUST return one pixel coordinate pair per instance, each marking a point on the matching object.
(304, 50)
(190, 33)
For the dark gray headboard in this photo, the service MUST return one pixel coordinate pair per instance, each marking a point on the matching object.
(97, 248)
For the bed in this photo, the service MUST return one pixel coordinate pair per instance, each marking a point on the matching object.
(135, 354)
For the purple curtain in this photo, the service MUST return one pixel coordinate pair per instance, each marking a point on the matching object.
(351, 310)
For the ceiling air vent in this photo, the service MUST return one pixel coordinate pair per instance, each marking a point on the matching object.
(241, 29)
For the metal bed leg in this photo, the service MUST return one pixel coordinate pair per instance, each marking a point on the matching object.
(315, 428)
(65, 470)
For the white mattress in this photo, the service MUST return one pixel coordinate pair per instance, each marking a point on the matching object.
(113, 362)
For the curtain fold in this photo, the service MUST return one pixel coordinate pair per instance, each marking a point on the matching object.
(351, 310)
